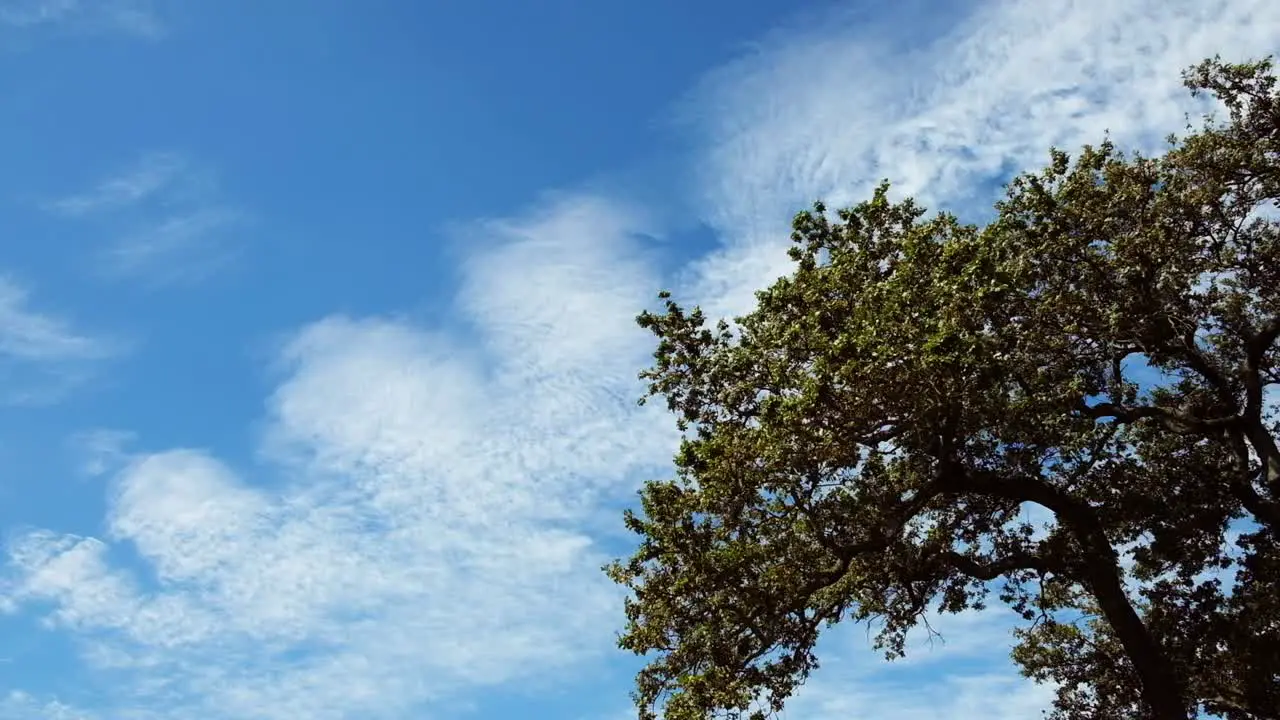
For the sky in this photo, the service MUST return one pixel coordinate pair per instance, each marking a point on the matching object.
(317, 341)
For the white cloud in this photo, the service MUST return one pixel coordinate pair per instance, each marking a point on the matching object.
(101, 451)
(168, 222)
(29, 335)
(131, 17)
(41, 355)
(421, 539)
(827, 112)
(150, 175)
(17, 705)
(970, 696)
(187, 245)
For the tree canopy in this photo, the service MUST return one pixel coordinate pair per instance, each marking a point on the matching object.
(861, 446)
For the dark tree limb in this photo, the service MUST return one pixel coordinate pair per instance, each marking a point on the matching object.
(1162, 689)
(1255, 430)
(1173, 420)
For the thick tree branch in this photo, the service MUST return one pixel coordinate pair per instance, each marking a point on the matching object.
(1205, 368)
(1176, 421)
(993, 569)
(1255, 352)
(1265, 511)
(1162, 689)
(1263, 443)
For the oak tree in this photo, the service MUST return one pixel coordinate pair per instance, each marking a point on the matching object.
(862, 445)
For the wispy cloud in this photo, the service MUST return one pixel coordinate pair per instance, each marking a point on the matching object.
(829, 110)
(101, 451)
(133, 17)
(42, 356)
(29, 335)
(184, 247)
(964, 672)
(167, 218)
(426, 542)
(151, 175)
(17, 705)
(969, 695)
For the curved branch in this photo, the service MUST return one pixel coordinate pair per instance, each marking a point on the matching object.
(1255, 352)
(992, 569)
(1162, 689)
(1204, 367)
(1258, 435)
(1178, 422)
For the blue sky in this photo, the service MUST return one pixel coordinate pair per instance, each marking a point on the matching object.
(316, 346)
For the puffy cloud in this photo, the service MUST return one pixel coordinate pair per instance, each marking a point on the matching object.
(420, 535)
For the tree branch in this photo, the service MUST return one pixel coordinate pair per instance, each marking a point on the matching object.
(1255, 351)
(1162, 689)
(1203, 366)
(1176, 421)
(992, 569)
(1265, 445)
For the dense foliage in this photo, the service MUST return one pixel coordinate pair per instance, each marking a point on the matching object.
(861, 445)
